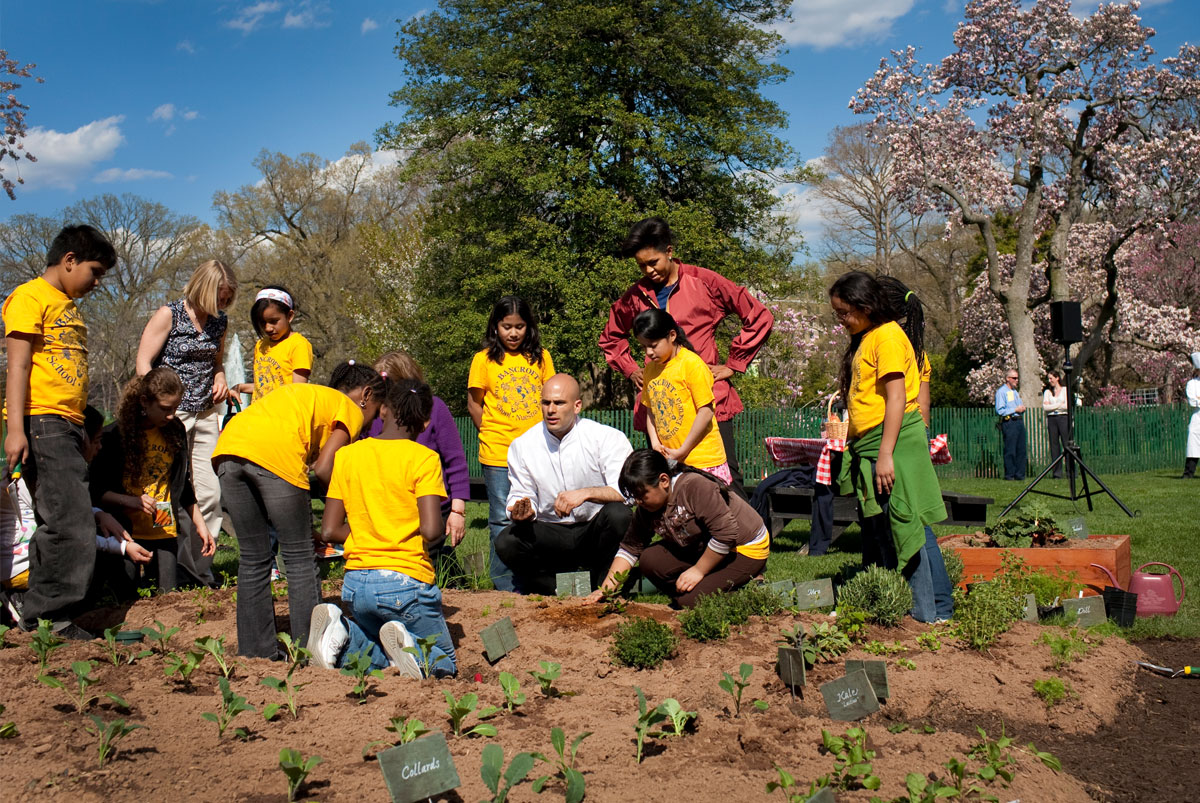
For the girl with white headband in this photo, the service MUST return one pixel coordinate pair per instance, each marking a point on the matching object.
(281, 356)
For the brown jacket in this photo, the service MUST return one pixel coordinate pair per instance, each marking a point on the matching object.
(695, 513)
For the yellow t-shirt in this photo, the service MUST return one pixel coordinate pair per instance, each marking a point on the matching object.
(512, 400)
(926, 370)
(58, 375)
(673, 393)
(884, 350)
(153, 479)
(285, 430)
(379, 482)
(274, 362)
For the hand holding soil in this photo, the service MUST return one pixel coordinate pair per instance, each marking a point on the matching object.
(522, 510)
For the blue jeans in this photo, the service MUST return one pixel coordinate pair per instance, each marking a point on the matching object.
(878, 548)
(943, 597)
(377, 596)
(496, 480)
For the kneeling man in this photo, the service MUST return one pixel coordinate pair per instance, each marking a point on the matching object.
(567, 514)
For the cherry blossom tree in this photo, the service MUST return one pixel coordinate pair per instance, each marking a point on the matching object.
(1054, 120)
(12, 113)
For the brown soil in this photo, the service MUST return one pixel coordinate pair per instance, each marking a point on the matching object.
(980, 539)
(1123, 736)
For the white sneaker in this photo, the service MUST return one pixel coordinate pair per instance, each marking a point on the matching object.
(394, 637)
(327, 635)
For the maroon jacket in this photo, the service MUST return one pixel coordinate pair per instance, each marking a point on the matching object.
(702, 299)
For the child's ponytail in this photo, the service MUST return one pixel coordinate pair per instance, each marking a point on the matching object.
(137, 394)
(905, 305)
(411, 403)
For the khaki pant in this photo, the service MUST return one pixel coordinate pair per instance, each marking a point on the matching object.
(202, 429)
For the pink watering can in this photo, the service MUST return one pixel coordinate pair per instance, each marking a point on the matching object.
(1156, 592)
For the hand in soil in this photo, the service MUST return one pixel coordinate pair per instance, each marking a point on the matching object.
(522, 510)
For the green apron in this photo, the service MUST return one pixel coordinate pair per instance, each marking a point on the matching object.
(916, 498)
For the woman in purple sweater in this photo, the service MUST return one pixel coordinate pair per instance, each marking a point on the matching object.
(442, 437)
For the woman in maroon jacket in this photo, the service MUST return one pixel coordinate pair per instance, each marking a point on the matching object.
(698, 299)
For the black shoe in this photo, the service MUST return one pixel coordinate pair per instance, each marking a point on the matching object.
(73, 632)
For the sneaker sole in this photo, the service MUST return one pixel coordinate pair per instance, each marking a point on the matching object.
(321, 620)
(390, 639)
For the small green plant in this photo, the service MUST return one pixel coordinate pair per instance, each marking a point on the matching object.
(8, 730)
(925, 790)
(1052, 691)
(508, 603)
(647, 718)
(882, 593)
(676, 717)
(793, 637)
(929, 641)
(231, 705)
(160, 636)
(550, 673)
(983, 615)
(145, 592)
(643, 643)
(499, 780)
(423, 652)
(787, 783)
(118, 655)
(205, 603)
(80, 697)
(297, 768)
(512, 691)
(3, 633)
(735, 686)
(879, 648)
(614, 603)
(1067, 647)
(1046, 586)
(459, 709)
(853, 623)
(286, 686)
(826, 641)
(216, 648)
(998, 762)
(487, 611)
(713, 615)
(44, 643)
(406, 730)
(564, 764)
(852, 760)
(906, 663)
(1031, 523)
(357, 665)
(954, 566)
(108, 734)
(183, 665)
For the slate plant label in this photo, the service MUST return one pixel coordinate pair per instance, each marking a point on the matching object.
(499, 639)
(573, 584)
(1088, 610)
(783, 588)
(1031, 612)
(850, 698)
(419, 770)
(475, 563)
(814, 594)
(1077, 527)
(790, 665)
(876, 675)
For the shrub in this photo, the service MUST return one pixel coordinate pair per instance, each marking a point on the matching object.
(981, 616)
(1052, 691)
(1021, 579)
(715, 613)
(882, 593)
(643, 643)
(954, 566)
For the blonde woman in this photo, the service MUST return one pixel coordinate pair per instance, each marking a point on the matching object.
(188, 335)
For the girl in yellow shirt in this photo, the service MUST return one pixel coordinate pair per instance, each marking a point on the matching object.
(384, 504)
(504, 395)
(281, 356)
(263, 459)
(678, 395)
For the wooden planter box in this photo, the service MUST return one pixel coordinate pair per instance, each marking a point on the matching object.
(1110, 551)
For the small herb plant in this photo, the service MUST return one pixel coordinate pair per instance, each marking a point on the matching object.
(286, 686)
(735, 686)
(852, 760)
(564, 764)
(231, 705)
(1052, 691)
(406, 730)
(852, 622)
(107, 735)
(459, 709)
(787, 783)
(647, 719)
(714, 614)
(183, 665)
(1067, 647)
(3, 633)
(499, 780)
(216, 648)
(792, 638)
(550, 673)
(882, 593)
(614, 603)
(983, 615)
(643, 643)
(906, 663)
(81, 698)
(423, 652)
(512, 691)
(826, 641)
(879, 648)
(297, 768)
(44, 643)
(676, 717)
(8, 730)
(358, 666)
(160, 636)
(929, 641)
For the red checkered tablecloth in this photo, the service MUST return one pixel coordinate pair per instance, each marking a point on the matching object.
(787, 452)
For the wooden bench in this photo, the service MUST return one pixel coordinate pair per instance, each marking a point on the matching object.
(785, 504)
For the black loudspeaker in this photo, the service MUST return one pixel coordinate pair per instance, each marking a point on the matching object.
(1066, 323)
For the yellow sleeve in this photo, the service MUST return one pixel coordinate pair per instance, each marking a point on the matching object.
(478, 378)
(890, 357)
(338, 480)
(700, 382)
(429, 477)
(349, 416)
(302, 354)
(547, 365)
(926, 370)
(23, 314)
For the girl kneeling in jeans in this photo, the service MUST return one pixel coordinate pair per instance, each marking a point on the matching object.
(384, 504)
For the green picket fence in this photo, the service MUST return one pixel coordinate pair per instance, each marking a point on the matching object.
(1113, 440)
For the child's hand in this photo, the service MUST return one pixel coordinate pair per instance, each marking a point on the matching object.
(594, 597)
(688, 580)
(674, 454)
(137, 553)
(209, 544)
(16, 448)
(111, 527)
(148, 505)
(456, 527)
(522, 510)
(885, 474)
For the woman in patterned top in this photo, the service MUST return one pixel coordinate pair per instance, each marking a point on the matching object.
(188, 336)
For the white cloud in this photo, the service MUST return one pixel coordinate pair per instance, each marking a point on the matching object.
(64, 158)
(369, 25)
(168, 113)
(187, 47)
(129, 174)
(249, 17)
(830, 23)
(190, 114)
(165, 112)
(308, 14)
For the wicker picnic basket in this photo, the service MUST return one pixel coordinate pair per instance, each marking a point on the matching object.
(835, 428)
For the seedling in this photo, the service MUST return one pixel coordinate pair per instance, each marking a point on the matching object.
(183, 665)
(108, 734)
(647, 719)
(792, 638)
(116, 654)
(3, 633)
(879, 648)
(998, 762)
(462, 707)
(204, 603)
(231, 705)
(44, 643)
(160, 635)
(406, 730)
(493, 765)
(565, 764)
(81, 698)
(487, 611)
(296, 767)
(852, 759)
(512, 691)
(216, 648)
(827, 641)
(1052, 691)
(423, 652)
(736, 686)
(786, 783)
(8, 730)
(358, 666)
(549, 674)
(677, 717)
(1066, 648)
(508, 603)
(286, 686)
(906, 663)
(614, 603)
(929, 641)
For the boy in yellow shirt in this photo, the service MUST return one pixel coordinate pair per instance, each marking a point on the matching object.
(47, 391)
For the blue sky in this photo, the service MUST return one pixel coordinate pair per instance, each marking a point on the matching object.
(173, 99)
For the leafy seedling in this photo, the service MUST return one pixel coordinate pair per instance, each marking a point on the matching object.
(498, 780)
(565, 764)
(8, 730)
(512, 691)
(286, 686)
(906, 663)
(160, 635)
(3, 633)
(231, 705)
(216, 648)
(929, 641)
(735, 686)
(44, 643)
(423, 652)
(614, 603)
(787, 783)
(852, 760)
(406, 730)
(550, 673)
(461, 708)
(118, 655)
(997, 760)
(297, 768)
(80, 696)
(677, 718)
(792, 638)
(108, 734)
(647, 719)
(183, 665)
(358, 666)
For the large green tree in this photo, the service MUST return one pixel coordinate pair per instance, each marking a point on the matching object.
(546, 129)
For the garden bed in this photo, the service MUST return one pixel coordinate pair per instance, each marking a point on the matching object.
(179, 753)
(1072, 556)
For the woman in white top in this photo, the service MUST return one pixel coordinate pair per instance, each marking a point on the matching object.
(1054, 403)
(1192, 392)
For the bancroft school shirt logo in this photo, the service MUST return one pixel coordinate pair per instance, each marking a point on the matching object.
(64, 342)
(667, 407)
(518, 392)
